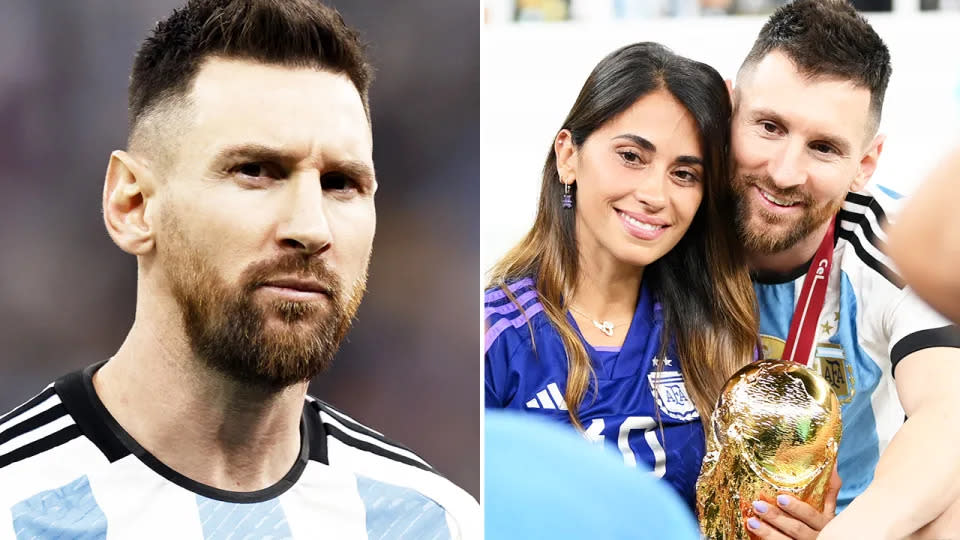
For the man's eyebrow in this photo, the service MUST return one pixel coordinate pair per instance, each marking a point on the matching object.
(841, 144)
(253, 152)
(259, 152)
(768, 114)
(353, 168)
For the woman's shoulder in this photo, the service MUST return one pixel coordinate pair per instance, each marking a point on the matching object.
(507, 316)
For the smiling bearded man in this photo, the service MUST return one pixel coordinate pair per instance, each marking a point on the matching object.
(805, 142)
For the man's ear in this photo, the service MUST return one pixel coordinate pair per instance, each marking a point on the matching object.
(868, 163)
(127, 190)
(566, 154)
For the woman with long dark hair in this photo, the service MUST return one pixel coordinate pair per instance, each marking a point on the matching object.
(628, 304)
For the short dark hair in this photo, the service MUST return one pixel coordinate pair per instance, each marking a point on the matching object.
(827, 38)
(295, 33)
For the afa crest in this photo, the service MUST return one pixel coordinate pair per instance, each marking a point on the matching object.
(836, 370)
(671, 395)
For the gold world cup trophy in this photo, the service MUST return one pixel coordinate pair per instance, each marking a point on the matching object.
(776, 429)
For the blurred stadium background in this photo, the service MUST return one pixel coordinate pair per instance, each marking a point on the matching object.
(536, 54)
(411, 368)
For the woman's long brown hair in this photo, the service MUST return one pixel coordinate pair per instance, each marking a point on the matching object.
(709, 307)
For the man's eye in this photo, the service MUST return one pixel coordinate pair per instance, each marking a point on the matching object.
(769, 127)
(823, 148)
(257, 169)
(337, 181)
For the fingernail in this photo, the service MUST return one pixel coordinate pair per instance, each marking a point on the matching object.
(760, 506)
(753, 523)
(783, 500)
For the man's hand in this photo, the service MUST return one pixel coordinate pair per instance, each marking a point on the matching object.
(792, 518)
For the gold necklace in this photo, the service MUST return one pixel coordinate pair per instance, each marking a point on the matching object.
(604, 326)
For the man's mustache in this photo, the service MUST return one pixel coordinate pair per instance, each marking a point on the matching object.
(766, 183)
(292, 265)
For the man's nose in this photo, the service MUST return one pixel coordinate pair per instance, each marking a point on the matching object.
(304, 225)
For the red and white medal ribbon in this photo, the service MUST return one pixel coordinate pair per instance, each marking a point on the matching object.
(806, 315)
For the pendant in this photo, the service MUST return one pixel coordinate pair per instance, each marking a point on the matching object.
(604, 326)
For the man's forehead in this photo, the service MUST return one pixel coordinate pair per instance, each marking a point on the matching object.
(820, 102)
(302, 110)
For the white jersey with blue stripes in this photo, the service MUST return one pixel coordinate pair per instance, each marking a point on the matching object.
(870, 321)
(68, 470)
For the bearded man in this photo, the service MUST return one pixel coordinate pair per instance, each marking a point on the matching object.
(247, 196)
(805, 141)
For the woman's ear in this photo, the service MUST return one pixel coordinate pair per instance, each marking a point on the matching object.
(566, 154)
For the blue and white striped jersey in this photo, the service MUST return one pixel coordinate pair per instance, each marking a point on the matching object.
(631, 396)
(68, 470)
(869, 322)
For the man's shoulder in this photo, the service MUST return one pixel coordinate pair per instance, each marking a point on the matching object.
(862, 225)
(42, 448)
(342, 428)
(37, 426)
(382, 465)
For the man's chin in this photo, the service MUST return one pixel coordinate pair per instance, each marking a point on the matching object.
(766, 237)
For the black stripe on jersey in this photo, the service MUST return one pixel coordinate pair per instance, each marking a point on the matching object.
(860, 218)
(861, 221)
(373, 448)
(871, 203)
(859, 198)
(945, 336)
(869, 259)
(40, 445)
(327, 408)
(34, 401)
(316, 433)
(34, 422)
(89, 414)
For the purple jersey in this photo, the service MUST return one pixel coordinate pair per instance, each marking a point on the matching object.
(631, 396)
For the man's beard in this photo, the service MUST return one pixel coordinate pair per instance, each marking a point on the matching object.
(785, 232)
(228, 329)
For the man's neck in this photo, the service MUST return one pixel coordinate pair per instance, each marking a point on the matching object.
(198, 422)
(788, 260)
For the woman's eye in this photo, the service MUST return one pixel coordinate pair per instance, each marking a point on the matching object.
(769, 127)
(630, 157)
(687, 176)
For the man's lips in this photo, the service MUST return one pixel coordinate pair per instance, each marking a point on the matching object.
(773, 201)
(297, 287)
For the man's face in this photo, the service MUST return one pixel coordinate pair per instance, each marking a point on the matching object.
(266, 219)
(799, 146)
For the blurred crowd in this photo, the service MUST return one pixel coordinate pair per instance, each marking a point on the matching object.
(411, 367)
(560, 10)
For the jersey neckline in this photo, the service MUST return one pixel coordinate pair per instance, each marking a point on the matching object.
(646, 317)
(77, 392)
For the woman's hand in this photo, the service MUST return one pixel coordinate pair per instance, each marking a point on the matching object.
(792, 518)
